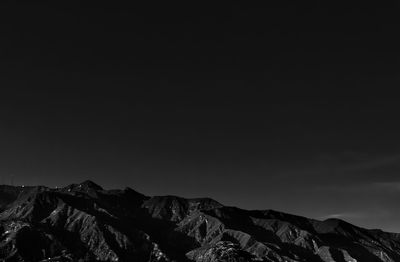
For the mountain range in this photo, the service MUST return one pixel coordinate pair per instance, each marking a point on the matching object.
(84, 222)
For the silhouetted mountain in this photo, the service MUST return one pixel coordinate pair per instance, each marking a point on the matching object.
(84, 222)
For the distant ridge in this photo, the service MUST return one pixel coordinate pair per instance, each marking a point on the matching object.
(84, 222)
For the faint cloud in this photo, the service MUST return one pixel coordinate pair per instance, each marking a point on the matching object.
(345, 215)
(368, 174)
(348, 169)
(393, 185)
(386, 186)
(376, 162)
(356, 215)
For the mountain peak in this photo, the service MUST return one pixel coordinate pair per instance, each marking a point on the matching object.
(89, 184)
(86, 186)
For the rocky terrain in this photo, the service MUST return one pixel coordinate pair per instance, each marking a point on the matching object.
(83, 222)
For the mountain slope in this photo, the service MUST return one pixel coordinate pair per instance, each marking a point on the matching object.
(84, 222)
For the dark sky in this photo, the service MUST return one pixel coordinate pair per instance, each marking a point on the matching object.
(279, 106)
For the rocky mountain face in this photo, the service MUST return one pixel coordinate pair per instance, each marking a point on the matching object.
(83, 222)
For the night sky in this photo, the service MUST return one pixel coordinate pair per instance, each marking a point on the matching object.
(262, 107)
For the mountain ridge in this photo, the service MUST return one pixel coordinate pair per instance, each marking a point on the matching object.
(84, 222)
